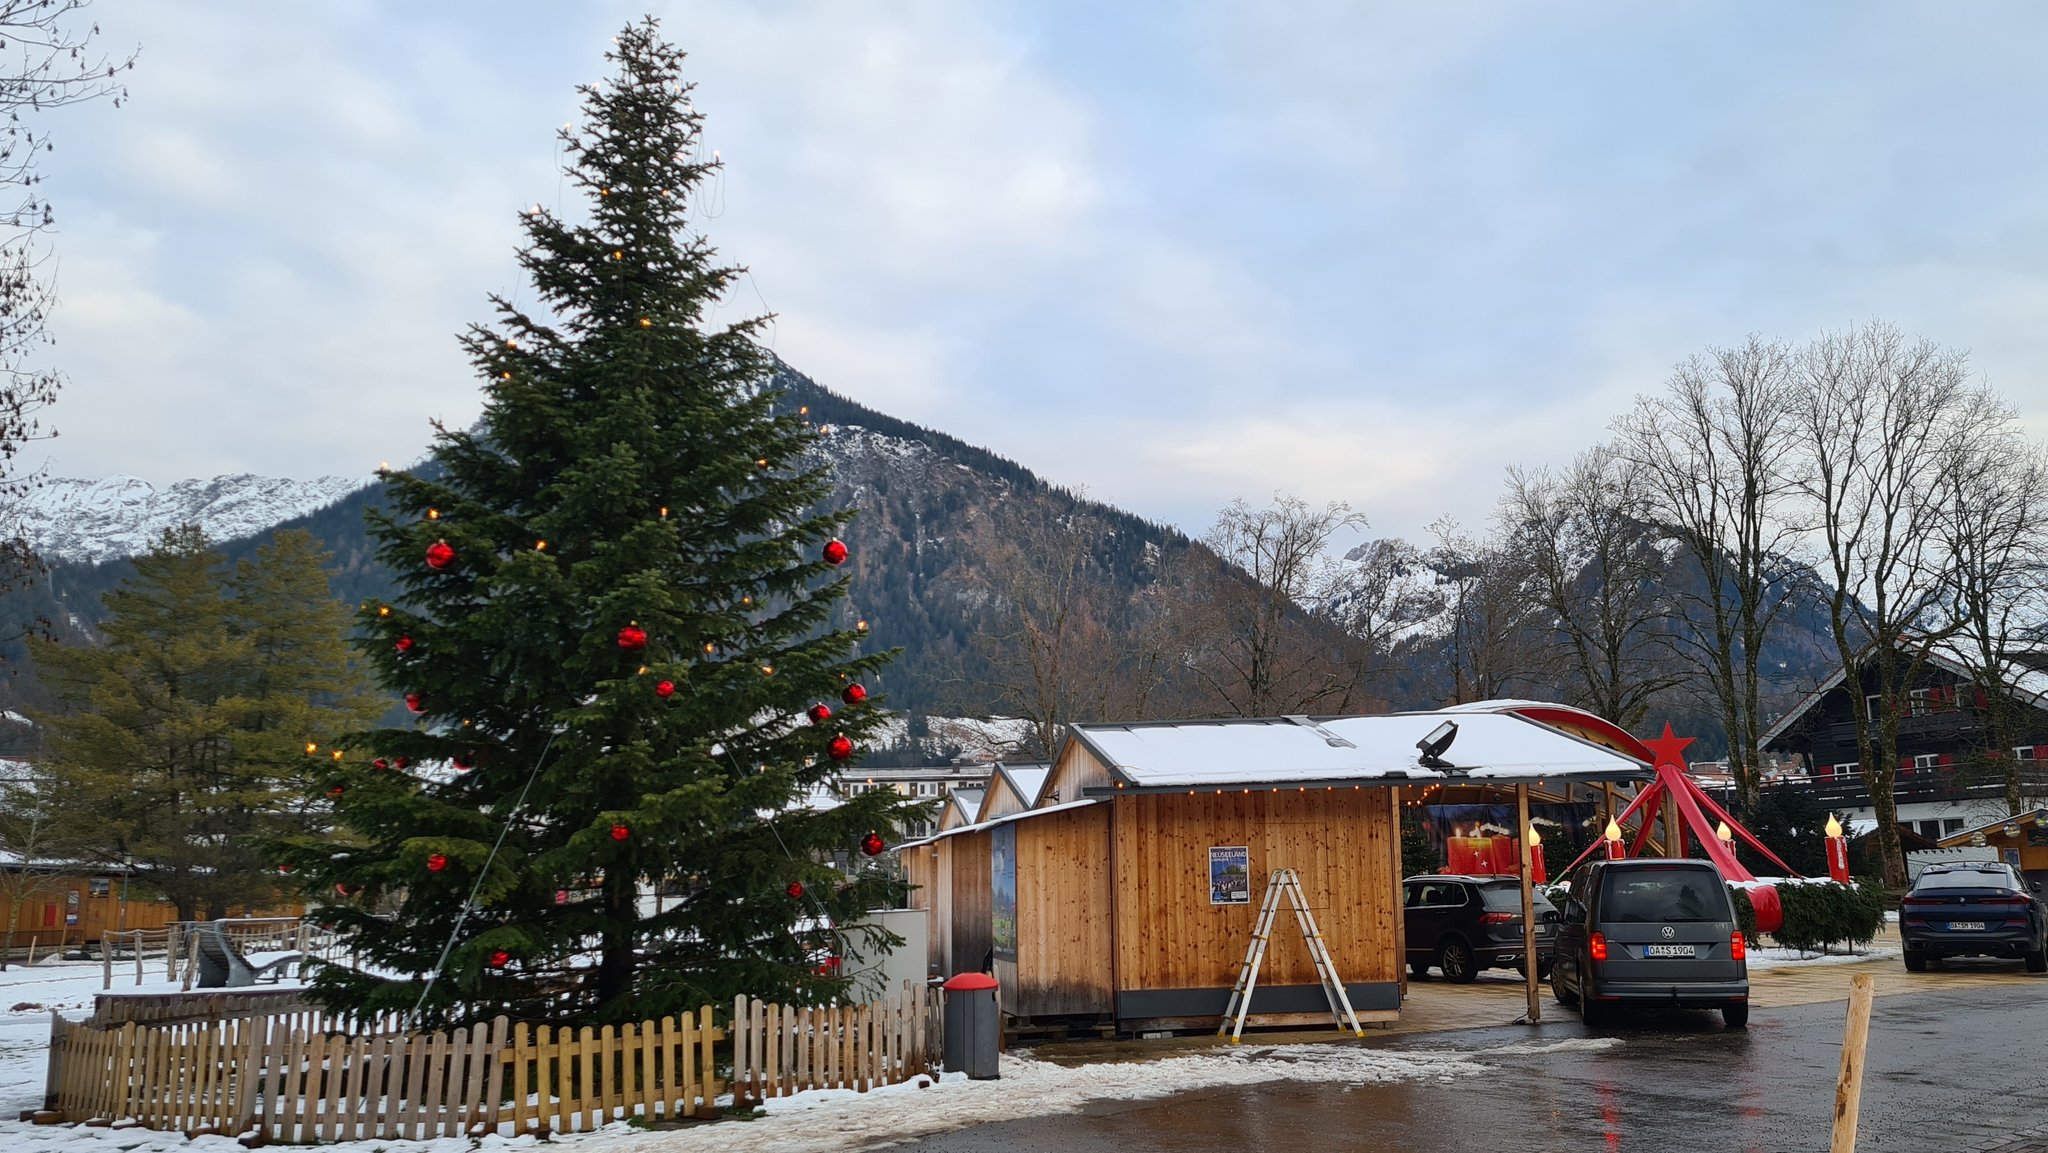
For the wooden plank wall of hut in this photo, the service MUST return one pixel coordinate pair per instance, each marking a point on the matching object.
(1340, 841)
(1063, 904)
(973, 928)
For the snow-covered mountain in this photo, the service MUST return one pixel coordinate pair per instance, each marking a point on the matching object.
(97, 520)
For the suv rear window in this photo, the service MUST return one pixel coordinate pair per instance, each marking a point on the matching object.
(1661, 895)
(1965, 879)
(1507, 895)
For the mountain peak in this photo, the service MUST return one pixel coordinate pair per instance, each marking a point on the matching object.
(72, 519)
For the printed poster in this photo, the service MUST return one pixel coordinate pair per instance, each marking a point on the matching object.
(1003, 878)
(1230, 875)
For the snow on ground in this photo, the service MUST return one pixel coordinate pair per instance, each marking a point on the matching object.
(1778, 958)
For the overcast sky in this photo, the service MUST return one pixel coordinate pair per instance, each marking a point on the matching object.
(1172, 253)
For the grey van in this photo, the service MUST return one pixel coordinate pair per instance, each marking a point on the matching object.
(1650, 932)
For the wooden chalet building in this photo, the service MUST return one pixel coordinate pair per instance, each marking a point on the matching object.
(1950, 778)
(1118, 894)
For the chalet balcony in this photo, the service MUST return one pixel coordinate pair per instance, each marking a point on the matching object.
(1943, 784)
(1943, 724)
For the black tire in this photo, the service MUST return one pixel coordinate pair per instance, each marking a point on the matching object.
(1544, 968)
(1594, 1014)
(1735, 1016)
(2037, 961)
(1557, 990)
(1916, 961)
(1419, 970)
(1455, 958)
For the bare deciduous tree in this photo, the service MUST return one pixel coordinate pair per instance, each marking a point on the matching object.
(1383, 593)
(1488, 611)
(52, 65)
(1719, 454)
(1881, 418)
(1261, 621)
(1994, 527)
(1596, 567)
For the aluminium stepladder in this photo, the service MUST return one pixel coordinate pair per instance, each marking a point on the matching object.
(1285, 881)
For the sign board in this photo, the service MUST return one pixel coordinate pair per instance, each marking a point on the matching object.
(1003, 890)
(1230, 875)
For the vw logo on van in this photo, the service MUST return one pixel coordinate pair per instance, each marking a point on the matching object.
(1669, 932)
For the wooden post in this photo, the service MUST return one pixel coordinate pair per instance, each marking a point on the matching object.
(106, 961)
(1400, 896)
(1674, 829)
(1849, 1085)
(191, 960)
(1528, 903)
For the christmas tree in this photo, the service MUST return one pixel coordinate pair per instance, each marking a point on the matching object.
(616, 631)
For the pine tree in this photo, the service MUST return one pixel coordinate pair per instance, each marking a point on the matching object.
(616, 629)
(184, 740)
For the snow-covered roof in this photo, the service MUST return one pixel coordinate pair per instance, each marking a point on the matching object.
(969, 801)
(1028, 780)
(1288, 750)
(984, 826)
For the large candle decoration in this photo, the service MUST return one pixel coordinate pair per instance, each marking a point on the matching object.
(1536, 874)
(1614, 850)
(1838, 852)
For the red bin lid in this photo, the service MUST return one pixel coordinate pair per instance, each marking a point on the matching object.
(970, 981)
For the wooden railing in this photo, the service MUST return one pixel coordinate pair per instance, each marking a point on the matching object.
(306, 1076)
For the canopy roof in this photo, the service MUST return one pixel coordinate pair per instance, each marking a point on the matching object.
(1283, 751)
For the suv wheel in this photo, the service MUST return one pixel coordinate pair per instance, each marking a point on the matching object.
(1557, 990)
(1419, 970)
(1454, 957)
(1916, 961)
(2037, 961)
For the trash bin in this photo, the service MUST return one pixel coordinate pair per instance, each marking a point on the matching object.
(973, 1027)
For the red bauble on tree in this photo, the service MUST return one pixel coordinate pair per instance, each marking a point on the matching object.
(344, 889)
(632, 638)
(402, 764)
(872, 845)
(436, 862)
(403, 645)
(835, 552)
(500, 959)
(417, 702)
(440, 555)
(380, 763)
(820, 713)
(664, 689)
(620, 832)
(795, 890)
(854, 694)
(463, 762)
(840, 748)
(336, 791)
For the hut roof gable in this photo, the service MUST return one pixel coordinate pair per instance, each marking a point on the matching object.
(1286, 750)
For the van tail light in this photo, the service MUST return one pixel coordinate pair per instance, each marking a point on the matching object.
(1737, 947)
(1599, 946)
(1495, 918)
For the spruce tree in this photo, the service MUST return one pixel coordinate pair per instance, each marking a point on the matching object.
(616, 628)
(188, 739)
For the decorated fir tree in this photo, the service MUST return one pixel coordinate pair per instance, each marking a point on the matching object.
(616, 630)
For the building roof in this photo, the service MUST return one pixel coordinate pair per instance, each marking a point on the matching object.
(2032, 817)
(2027, 684)
(1274, 751)
(984, 826)
(1027, 779)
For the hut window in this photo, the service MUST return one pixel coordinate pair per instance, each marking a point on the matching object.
(99, 886)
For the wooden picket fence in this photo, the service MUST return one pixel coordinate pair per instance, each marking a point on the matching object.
(306, 1077)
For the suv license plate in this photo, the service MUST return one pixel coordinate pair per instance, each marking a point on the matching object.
(1962, 925)
(1667, 950)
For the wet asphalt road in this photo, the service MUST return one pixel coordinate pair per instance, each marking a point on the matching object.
(1962, 1070)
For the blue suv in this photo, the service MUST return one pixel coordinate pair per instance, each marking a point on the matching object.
(1975, 909)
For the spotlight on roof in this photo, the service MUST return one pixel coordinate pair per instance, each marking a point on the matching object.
(1432, 746)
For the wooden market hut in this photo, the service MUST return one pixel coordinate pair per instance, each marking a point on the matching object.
(1113, 900)
(1013, 788)
(951, 863)
(2020, 841)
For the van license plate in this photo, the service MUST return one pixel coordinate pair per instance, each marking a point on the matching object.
(1959, 926)
(1667, 950)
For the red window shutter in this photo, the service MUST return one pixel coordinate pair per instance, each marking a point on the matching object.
(1947, 759)
(49, 916)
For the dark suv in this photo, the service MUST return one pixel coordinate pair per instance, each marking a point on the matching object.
(1651, 932)
(1973, 909)
(1465, 924)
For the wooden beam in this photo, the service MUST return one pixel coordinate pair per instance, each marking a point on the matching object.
(1400, 895)
(1528, 902)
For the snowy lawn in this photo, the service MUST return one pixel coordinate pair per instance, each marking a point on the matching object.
(823, 1120)
(1779, 958)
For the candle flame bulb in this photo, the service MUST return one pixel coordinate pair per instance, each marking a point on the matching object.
(1613, 829)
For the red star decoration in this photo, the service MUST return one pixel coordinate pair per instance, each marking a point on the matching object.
(1670, 749)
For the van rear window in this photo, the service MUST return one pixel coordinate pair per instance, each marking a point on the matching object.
(1661, 895)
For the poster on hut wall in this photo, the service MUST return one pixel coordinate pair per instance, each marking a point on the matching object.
(1479, 840)
(1003, 890)
(1230, 875)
